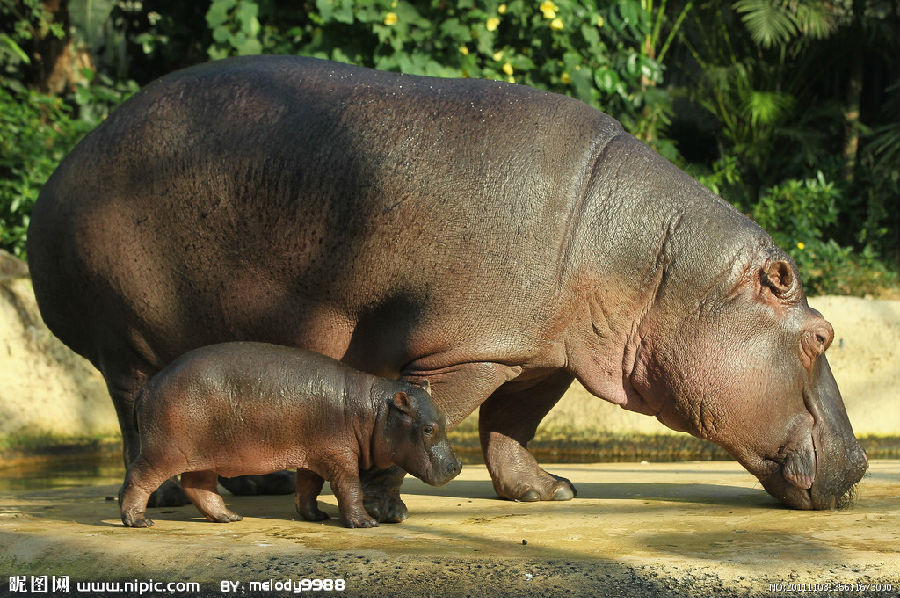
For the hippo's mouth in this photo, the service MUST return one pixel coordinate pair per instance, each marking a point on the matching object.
(798, 479)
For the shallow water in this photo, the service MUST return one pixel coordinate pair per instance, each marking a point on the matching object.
(57, 472)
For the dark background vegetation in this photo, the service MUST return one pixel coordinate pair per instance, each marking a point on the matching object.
(788, 109)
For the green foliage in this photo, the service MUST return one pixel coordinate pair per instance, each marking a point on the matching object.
(235, 28)
(774, 22)
(602, 53)
(38, 129)
(801, 217)
(798, 212)
(35, 134)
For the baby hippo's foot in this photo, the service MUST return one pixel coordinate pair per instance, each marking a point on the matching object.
(131, 519)
(361, 519)
(225, 516)
(382, 495)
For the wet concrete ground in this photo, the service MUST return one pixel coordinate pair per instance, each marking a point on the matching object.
(662, 529)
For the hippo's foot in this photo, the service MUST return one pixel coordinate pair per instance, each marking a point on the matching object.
(523, 480)
(381, 495)
(224, 517)
(358, 520)
(556, 488)
(169, 494)
(136, 520)
(280, 482)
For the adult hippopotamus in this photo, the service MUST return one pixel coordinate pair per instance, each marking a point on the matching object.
(494, 240)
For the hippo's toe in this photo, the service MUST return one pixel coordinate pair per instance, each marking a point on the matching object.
(359, 520)
(530, 495)
(544, 486)
(226, 517)
(137, 521)
(564, 489)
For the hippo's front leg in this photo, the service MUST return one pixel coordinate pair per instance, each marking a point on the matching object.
(381, 494)
(506, 422)
(309, 485)
(346, 487)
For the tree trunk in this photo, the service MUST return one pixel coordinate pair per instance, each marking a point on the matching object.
(854, 92)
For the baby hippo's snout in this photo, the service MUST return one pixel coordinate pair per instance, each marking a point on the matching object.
(445, 465)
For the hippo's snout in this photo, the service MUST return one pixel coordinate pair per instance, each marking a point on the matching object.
(452, 469)
(830, 488)
(445, 466)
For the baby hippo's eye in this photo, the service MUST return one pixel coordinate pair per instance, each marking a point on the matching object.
(428, 430)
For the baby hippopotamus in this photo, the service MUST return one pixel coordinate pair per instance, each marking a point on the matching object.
(251, 408)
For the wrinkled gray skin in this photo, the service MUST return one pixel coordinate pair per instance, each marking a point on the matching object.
(253, 408)
(492, 239)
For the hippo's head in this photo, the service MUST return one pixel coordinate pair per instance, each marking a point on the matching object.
(743, 365)
(414, 435)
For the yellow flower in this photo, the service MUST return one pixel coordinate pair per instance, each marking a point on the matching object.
(501, 9)
(497, 56)
(549, 9)
(511, 79)
(556, 24)
(492, 24)
(801, 245)
(390, 19)
(464, 50)
(507, 68)
(565, 78)
(600, 21)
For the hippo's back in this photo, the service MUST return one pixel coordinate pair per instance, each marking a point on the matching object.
(301, 202)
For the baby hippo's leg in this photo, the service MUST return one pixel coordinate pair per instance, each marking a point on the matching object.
(347, 489)
(309, 485)
(200, 488)
(141, 480)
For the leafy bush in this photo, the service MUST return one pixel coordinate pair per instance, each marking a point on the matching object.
(38, 129)
(800, 215)
(35, 134)
(607, 54)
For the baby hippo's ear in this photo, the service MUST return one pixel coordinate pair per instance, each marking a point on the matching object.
(401, 402)
(425, 386)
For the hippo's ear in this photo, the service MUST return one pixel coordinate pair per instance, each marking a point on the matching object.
(425, 386)
(778, 277)
(401, 402)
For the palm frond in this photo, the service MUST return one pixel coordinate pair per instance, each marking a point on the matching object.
(768, 107)
(813, 20)
(769, 22)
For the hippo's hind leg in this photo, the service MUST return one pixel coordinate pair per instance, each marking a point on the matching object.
(141, 480)
(506, 422)
(200, 487)
(309, 485)
(124, 384)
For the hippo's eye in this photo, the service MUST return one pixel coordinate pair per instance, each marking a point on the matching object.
(428, 430)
